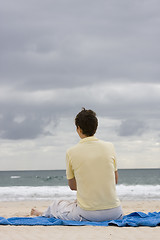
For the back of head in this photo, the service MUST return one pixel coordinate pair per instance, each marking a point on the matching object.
(87, 121)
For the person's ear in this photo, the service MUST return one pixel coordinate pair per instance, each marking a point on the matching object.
(79, 131)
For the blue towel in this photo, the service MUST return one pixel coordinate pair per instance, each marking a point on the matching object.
(134, 219)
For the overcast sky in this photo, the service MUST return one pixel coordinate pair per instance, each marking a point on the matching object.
(57, 56)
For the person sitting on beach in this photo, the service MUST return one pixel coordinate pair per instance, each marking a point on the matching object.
(91, 170)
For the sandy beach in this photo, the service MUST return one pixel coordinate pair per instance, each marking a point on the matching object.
(22, 209)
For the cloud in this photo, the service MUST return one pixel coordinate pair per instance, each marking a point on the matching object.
(58, 56)
(131, 127)
(30, 127)
(53, 46)
(134, 104)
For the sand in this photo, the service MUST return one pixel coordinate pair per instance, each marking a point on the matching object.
(22, 209)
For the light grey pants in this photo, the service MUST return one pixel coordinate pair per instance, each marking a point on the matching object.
(69, 210)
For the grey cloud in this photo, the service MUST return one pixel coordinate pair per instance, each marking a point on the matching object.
(30, 127)
(49, 45)
(131, 127)
(73, 46)
(140, 103)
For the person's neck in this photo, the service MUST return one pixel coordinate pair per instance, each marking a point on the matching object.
(85, 136)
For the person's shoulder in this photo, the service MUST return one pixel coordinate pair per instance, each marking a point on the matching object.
(105, 142)
(72, 148)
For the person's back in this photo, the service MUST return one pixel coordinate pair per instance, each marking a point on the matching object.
(93, 166)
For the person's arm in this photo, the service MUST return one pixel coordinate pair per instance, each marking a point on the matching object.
(72, 184)
(116, 176)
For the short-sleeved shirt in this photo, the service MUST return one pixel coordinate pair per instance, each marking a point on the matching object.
(93, 164)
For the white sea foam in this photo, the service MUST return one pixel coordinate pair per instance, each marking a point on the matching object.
(21, 193)
(138, 192)
(15, 177)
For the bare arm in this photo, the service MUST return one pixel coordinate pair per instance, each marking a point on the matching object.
(116, 176)
(72, 184)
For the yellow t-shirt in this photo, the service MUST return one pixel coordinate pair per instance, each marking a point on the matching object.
(93, 164)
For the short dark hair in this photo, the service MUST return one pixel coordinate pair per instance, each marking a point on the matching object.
(87, 121)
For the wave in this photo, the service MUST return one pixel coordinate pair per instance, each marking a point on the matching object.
(27, 193)
(138, 192)
(15, 177)
(21, 193)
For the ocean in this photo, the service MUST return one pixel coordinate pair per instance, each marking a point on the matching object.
(134, 184)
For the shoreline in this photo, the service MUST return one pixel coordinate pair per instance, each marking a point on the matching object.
(22, 209)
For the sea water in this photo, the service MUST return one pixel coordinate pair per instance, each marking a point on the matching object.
(134, 184)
